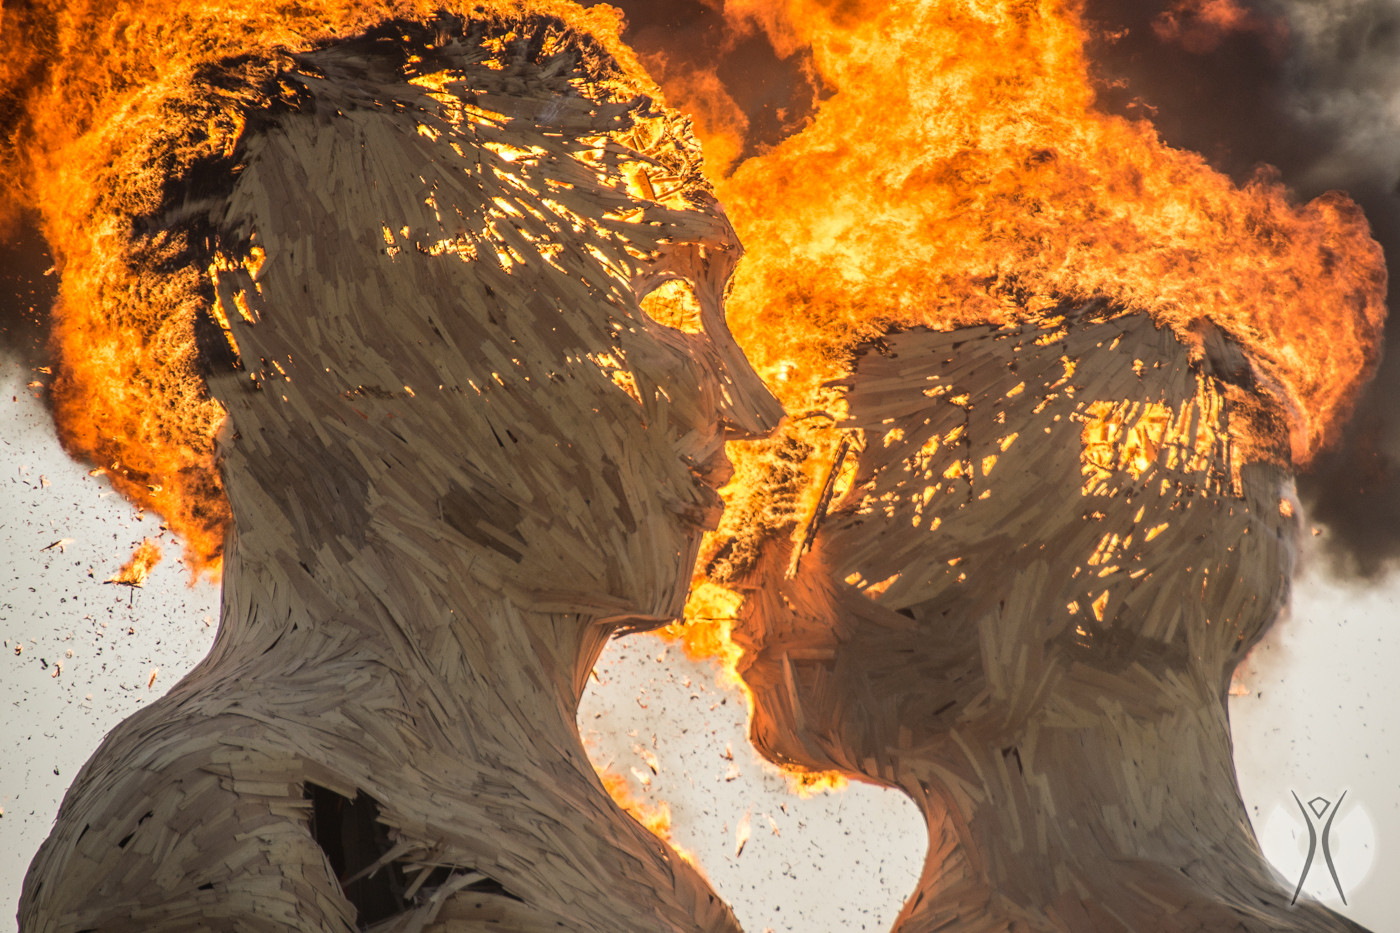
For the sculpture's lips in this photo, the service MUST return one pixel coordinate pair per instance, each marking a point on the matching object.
(715, 471)
(709, 474)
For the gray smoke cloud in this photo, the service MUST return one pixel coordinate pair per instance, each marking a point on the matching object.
(1343, 80)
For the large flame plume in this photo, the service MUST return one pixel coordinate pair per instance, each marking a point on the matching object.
(960, 158)
(959, 173)
(958, 161)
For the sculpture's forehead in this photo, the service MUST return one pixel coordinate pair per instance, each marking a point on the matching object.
(990, 370)
(1094, 458)
(964, 410)
(455, 190)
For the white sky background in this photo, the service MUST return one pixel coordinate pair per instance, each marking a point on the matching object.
(1321, 717)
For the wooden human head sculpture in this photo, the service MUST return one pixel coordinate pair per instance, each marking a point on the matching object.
(500, 330)
(1023, 499)
(462, 286)
(1059, 540)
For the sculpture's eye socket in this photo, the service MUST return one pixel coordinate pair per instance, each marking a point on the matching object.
(674, 304)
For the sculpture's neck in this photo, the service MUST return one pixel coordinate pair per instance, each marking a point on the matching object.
(425, 630)
(1094, 811)
(454, 710)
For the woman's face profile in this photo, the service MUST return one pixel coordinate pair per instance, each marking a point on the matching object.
(1029, 505)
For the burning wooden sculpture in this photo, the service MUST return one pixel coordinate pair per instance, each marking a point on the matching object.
(435, 267)
(1059, 540)
(459, 456)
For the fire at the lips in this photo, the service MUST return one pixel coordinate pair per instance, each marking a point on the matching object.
(415, 321)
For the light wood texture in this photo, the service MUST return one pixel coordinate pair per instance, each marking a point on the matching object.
(459, 457)
(1025, 611)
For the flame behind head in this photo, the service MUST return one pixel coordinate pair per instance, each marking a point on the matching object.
(960, 158)
(959, 173)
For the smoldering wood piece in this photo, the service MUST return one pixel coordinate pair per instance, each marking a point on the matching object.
(1025, 611)
(460, 455)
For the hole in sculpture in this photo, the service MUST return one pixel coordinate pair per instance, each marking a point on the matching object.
(350, 834)
(354, 840)
(674, 304)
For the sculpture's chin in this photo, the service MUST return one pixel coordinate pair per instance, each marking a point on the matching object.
(711, 509)
(781, 728)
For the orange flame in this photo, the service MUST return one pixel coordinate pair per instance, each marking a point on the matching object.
(656, 818)
(143, 560)
(961, 157)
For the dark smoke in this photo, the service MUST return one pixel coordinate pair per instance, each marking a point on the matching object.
(28, 288)
(1311, 87)
(680, 37)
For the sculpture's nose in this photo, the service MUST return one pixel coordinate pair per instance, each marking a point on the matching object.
(747, 409)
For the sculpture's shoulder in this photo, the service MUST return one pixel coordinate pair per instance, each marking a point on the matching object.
(182, 818)
(208, 811)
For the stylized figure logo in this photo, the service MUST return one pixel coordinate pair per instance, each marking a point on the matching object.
(1314, 811)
